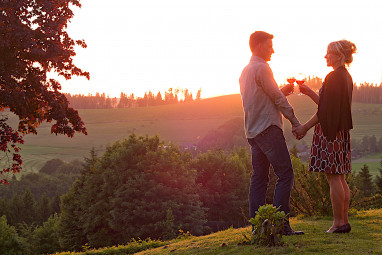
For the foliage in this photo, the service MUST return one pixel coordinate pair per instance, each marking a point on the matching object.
(127, 193)
(225, 137)
(46, 237)
(364, 182)
(311, 193)
(378, 179)
(132, 247)
(268, 226)
(101, 101)
(35, 43)
(224, 184)
(9, 240)
(54, 178)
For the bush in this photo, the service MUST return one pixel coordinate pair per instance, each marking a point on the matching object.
(9, 240)
(268, 226)
(224, 184)
(135, 189)
(311, 193)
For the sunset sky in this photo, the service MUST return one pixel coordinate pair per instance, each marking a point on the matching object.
(140, 45)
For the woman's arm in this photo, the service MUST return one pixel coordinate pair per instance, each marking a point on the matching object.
(301, 130)
(310, 93)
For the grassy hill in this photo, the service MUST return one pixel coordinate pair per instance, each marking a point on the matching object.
(183, 123)
(365, 238)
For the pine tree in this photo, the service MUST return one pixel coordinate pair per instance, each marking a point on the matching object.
(127, 192)
(42, 209)
(378, 179)
(28, 207)
(364, 182)
(224, 184)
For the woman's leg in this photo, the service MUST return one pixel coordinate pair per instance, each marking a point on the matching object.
(347, 199)
(337, 195)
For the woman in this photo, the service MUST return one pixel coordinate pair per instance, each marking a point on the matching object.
(330, 152)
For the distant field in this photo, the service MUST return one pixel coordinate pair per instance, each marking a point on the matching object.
(184, 123)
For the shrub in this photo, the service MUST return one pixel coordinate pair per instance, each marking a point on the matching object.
(224, 184)
(268, 226)
(311, 193)
(138, 188)
(9, 240)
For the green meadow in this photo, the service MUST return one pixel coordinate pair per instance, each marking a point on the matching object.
(182, 124)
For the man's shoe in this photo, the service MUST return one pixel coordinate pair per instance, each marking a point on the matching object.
(292, 232)
(288, 231)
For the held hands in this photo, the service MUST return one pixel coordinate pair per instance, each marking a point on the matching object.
(299, 131)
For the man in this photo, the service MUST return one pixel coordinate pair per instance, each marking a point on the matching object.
(263, 104)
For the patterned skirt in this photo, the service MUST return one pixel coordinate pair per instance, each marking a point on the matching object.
(332, 157)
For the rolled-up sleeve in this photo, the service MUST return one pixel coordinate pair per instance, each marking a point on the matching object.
(266, 80)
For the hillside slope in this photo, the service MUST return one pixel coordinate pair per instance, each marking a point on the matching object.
(183, 123)
(365, 238)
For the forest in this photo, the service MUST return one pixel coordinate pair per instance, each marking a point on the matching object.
(101, 101)
(363, 93)
(140, 188)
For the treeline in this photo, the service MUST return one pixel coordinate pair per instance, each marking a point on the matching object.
(366, 145)
(30, 208)
(368, 93)
(364, 93)
(103, 101)
(36, 196)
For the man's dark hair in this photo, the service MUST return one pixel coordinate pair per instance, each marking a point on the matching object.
(258, 37)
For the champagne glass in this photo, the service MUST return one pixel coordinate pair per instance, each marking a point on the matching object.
(291, 81)
(300, 80)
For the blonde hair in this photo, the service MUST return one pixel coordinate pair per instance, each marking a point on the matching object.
(343, 48)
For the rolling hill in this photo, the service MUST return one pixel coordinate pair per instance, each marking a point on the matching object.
(183, 123)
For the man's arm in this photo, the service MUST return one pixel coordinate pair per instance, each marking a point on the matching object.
(269, 86)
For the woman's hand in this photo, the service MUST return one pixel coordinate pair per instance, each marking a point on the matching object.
(304, 89)
(299, 132)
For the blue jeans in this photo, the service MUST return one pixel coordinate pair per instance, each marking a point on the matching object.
(269, 147)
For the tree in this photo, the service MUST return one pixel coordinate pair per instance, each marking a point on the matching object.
(364, 182)
(294, 151)
(35, 44)
(198, 94)
(373, 144)
(378, 179)
(46, 237)
(226, 136)
(380, 144)
(9, 240)
(365, 146)
(51, 166)
(224, 182)
(127, 193)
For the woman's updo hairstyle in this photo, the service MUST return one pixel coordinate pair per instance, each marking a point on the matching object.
(343, 48)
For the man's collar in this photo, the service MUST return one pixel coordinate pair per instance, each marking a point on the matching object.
(258, 59)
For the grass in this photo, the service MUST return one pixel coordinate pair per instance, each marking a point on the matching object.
(365, 238)
(183, 123)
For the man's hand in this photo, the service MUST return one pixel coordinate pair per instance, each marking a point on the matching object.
(299, 131)
(287, 89)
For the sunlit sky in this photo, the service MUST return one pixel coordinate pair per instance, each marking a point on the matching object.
(140, 45)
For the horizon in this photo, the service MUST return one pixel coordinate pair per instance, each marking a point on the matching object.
(138, 46)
